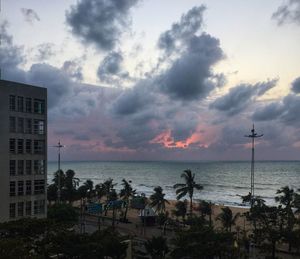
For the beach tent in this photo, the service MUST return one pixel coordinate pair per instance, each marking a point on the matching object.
(94, 208)
(117, 204)
(148, 216)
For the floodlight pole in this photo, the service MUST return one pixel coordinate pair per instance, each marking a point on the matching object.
(59, 146)
(253, 135)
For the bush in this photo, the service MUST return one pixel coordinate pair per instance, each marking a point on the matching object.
(63, 213)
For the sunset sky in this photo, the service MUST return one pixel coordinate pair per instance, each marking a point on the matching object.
(160, 80)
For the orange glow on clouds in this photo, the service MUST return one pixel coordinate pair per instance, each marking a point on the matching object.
(165, 138)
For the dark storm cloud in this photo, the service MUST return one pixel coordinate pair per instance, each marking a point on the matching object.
(11, 56)
(30, 15)
(287, 13)
(286, 111)
(189, 24)
(111, 67)
(241, 96)
(45, 51)
(269, 112)
(100, 22)
(133, 100)
(296, 85)
(57, 82)
(190, 76)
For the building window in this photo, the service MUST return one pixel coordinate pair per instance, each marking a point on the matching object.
(28, 104)
(20, 146)
(12, 124)
(38, 146)
(28, 187)
(28, 126)
(20, 125)
(28, 167)
(12, 189)
(20, 104)
(20, 167)
(12, 167)
(12, 146)
(12, 210)
(12, 102)
(39, 167)
(28, 208)
(39, 207)
(28, 146)
(38, 127)
(20, 209)
(39, 106)
(20, 188)
(39, 186)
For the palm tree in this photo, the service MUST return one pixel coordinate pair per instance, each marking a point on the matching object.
(287, 199)
(113, 196)
(100, 192)
(206, 210)
(89, 188)
(180, 209)
(157, 200)
(227, 218)
(187, 188)
(107, 188)
(71, 183)
(125, 194)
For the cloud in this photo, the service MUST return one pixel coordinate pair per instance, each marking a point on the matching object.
(11, 56)
(133, 100)
(268, 112)
(165, 103)
(100, 22)
(54, 79)
(189, 24)
(73, 69)
(30, 15)
(296, 85)
(45, 51)
(190, 77)
(288, 13)
(240, 97)
(63, 92)
(285, 111)
(111, 69)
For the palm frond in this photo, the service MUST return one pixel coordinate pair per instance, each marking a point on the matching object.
(178, 185)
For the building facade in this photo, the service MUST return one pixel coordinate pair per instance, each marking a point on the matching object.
(23, 151)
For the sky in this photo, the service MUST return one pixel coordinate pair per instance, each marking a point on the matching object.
(160, 80)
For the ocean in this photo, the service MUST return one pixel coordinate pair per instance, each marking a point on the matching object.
(223, 182)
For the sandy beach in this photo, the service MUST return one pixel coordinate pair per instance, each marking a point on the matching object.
(135, 226)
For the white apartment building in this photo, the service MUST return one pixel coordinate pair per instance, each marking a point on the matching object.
(23, 151)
